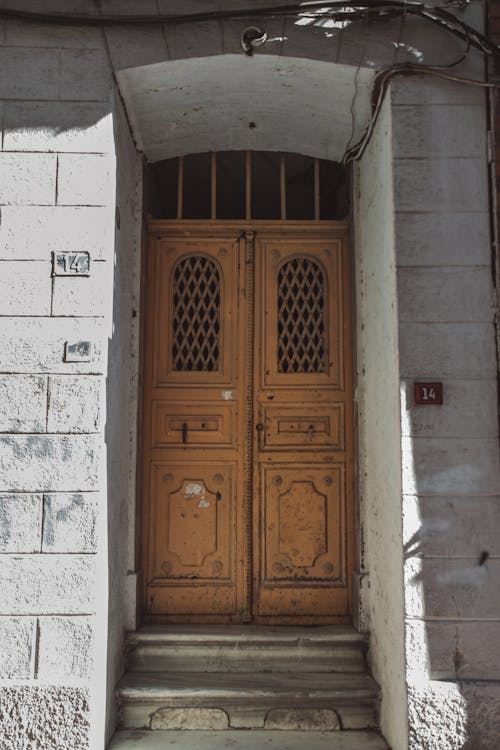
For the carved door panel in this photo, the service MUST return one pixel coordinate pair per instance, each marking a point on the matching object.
(192, 532)
(247, 436)
(303, 437)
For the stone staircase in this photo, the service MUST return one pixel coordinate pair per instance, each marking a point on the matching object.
(204, 687)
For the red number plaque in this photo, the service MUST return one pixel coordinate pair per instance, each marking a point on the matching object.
(428, 393)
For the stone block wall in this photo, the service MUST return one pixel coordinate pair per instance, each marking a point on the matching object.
(450, 469)
(379, 458)
(122, 399)
(57, 194)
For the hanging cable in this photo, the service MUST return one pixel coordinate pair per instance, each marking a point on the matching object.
(381, 85)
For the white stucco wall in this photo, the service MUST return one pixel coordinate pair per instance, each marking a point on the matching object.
(122, 402)
(379, 459)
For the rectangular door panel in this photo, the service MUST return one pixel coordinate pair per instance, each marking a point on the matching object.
(304, 539)
(303, 426)
(193, 425)
(192, 535)
(303, 551)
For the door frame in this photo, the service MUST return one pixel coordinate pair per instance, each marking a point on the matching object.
(195, 230)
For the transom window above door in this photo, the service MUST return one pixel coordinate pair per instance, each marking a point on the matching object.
(248, 185)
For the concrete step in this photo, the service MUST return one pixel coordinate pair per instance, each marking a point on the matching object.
(247, 740)
(246, 648)
(211, 700)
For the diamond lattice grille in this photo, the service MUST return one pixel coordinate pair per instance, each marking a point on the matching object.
(301, 324)
(196, 318)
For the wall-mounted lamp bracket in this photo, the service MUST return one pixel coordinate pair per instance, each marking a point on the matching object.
(252, 37)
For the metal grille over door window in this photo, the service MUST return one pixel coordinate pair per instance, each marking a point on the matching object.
(301, 324)
(196, 315)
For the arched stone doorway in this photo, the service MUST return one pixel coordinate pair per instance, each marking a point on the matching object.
(233, 102)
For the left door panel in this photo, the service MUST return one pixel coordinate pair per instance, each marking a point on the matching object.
(193, 537)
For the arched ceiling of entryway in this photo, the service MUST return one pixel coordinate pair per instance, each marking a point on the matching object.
(234, 102)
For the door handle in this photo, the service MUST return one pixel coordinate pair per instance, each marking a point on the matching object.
(184, 432)
(259, 427)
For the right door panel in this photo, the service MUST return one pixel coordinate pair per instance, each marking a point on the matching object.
(303, 438)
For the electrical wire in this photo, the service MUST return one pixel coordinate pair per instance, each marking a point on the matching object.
(337, 10)
(380, 88)
(356, 92)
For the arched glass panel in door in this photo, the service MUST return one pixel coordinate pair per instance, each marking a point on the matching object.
(301, 317)
(196, 315)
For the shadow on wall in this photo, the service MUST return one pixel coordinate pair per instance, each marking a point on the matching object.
(451, 575)
(58, 127)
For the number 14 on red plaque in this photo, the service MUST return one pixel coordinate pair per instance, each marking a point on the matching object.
(428, 393)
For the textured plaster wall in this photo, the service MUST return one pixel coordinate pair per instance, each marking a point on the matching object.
(381, 546)
(44, 717)
(122, 397)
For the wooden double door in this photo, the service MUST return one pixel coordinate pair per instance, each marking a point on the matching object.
(247, 424)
